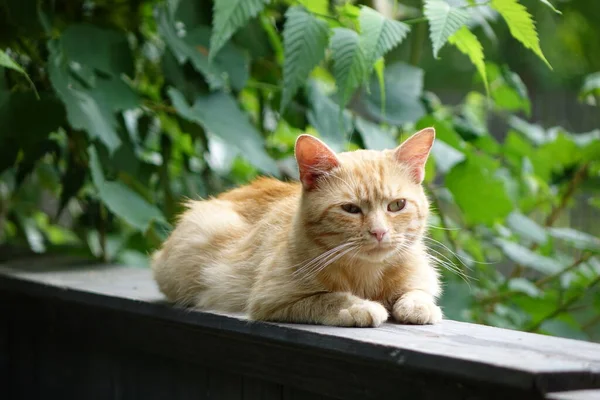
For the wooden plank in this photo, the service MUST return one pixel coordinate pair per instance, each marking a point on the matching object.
(459, 351)
(575, 395)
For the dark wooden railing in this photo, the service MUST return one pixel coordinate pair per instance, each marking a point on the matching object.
(70, 331)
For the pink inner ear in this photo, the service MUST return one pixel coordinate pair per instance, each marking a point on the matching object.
(314, 160)
(415, 151)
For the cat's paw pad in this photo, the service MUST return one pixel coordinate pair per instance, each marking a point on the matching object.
(416, 308)
(363, 314)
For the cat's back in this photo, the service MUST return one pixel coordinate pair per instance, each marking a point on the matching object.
(256, 199)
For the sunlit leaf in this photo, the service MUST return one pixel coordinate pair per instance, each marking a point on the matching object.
(467, 43)
(547, 2)
(521, 25)
(7, 62)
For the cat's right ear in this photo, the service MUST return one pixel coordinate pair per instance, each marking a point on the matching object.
(314, 158)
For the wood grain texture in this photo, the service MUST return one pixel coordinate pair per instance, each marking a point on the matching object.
(116, 315)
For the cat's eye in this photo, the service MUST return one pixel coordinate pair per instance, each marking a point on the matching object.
(397, 205)
(351, 208)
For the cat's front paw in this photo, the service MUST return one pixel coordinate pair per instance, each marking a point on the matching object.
(418, 308)
(362, 314)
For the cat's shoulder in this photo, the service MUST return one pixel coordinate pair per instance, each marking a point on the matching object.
(262, 189)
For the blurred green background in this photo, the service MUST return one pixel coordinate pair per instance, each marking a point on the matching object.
(112, 112)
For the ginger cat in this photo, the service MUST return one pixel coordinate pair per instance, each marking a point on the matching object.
(343, 247)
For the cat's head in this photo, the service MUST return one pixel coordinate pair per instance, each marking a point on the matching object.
(369, 203)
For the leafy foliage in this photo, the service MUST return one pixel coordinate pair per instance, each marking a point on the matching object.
(521, 25)
(467, 43)
(305, 39)
(229, 16)
(444, 21)
(142, 106)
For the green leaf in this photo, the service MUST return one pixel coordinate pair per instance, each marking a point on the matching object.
(403, 90)
(228, 17)
(7, 62)
(102, 49)
(374, 137)
(485, 202)
(220, 114)
(521, 25)
(577, 239)
(547, 2)
(378, 35)
(445, 156)
(349, 62)
(91, 101)
(121, 200)
(183, 51)
(525, 286)
(305, 40)
(333, 124)
(468, 44)
(527, 258)
(526, 227)
(444, 21)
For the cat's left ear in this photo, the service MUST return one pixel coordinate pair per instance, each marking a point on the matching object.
(315, 159)
(414, 152)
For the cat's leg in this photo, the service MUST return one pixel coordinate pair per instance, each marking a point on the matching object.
(414, 296)
(335, 309)
(416, 307)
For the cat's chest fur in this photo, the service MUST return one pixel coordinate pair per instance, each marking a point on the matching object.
(365, 281)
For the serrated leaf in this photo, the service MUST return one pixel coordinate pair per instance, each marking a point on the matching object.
(7, 62)
(444, 21)
(521, 25)
(527, 258)
(577, 239)
(378, 35)
(349, 62)
(304, 40)
(228, 17)
(220, 114)
(374, 137)
(468, 44)
(547, 2)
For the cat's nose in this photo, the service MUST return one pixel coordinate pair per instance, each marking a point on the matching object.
(378, 233)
